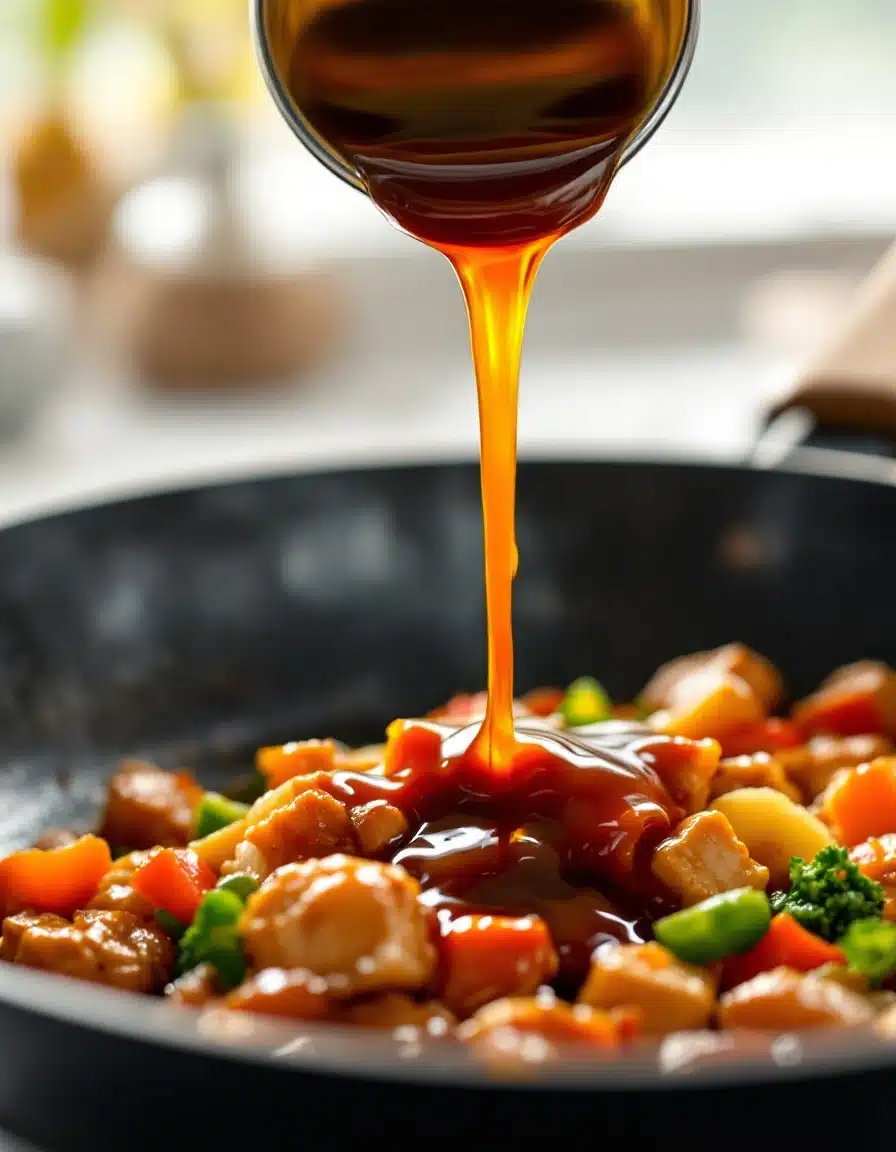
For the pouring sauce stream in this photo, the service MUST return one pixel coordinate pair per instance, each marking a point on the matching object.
(488, 130)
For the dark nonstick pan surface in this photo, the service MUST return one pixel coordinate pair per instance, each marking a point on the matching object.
(192, 626)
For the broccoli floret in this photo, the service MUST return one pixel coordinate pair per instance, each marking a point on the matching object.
(827, 894)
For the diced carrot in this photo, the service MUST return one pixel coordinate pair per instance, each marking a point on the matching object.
(787, 944)
(486, 957)
(284, 762)
(861, 802)
(857, 700)
(174, 880)
(770, 735)
(60, 880)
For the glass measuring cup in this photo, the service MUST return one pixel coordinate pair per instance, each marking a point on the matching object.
(323, 149)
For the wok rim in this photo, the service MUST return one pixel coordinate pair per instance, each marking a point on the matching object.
(820, 462)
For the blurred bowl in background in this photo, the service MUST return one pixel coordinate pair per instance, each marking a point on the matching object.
(189, 295)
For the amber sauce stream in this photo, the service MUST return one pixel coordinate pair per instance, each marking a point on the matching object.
(488, 130)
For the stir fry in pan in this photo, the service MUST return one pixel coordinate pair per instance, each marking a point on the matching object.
(696, 860)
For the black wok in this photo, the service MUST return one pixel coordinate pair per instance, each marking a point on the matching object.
(191, 627)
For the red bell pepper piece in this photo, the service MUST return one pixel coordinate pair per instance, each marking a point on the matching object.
(174, 880)
(786, 944)
(857, 700)
(770, 735)
(543, 701)
(59, 880)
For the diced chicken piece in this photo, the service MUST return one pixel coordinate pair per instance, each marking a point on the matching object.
(877, 859)
(15, 927)
(219, 848)
(395, 1010)
(116, 894)
(762, 677)
(705, 857)
(112, 948)
(518, 1032)
(687, 779)
(377, 825)
(306, 757)
(146, 807)
(54, 838)
(844, 975)
(356, 922)
(782, 999)
(881, 999)
(294, 994)
(671, 995)
(885, 1024)
(683, 1053)
(855, 700)
(757, 771)
(812, 766)
(195, 988)
(489, 957)
(773, 829)
(314, 824)
(709, 703)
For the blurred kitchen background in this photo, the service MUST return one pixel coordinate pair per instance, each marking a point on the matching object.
(184, 293)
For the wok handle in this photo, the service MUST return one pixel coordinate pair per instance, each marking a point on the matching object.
(848, 389)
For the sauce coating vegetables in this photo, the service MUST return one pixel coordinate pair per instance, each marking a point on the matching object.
(615, 882)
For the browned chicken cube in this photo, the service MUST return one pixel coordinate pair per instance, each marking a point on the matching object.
(148, 807)
(53, 838)
(195, 988)
(783, 999)
(877, 859)
(377, 824)
(671, 996)
(705, 857)
(116, 894)
(812, 766)
(687, 779)
(761, 676)
(293, 994)
(520, 1031)
(112, 948)
(313, 824)
(356, 922)
(395, 1010)
(885, 1024)
(760, 770)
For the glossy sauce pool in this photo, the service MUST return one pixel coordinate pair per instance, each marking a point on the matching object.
(489, 129)
(566, 833)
